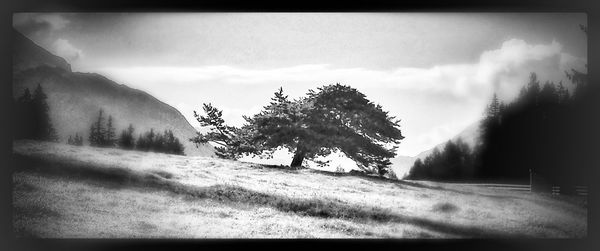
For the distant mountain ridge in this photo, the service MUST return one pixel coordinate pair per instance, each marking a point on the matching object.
(75, 98)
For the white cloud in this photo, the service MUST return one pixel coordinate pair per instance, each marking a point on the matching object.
(38, 22)
(56, 21)
(434, 103)
(494, 70)
(65, 49)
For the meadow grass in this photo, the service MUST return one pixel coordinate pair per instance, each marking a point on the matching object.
(348, 205)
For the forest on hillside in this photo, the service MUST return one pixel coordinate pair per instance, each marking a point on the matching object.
(545, 131)
(33, 122)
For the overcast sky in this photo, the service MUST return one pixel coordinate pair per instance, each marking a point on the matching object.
(434, 71)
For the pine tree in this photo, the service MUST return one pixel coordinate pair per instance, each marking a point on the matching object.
(93, 135)
(151, 139)
(172, 144)
(126, 139)
(493, 109)
(332, 118)
(78, 140)
(229, 139)
(42, 125)
(109, 139)
(75, 140)
(23, 123)
(97, 131)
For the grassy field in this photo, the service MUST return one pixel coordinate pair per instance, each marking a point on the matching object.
(62, 191)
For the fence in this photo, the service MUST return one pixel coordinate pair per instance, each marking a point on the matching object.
(541, 184)
(510, 187)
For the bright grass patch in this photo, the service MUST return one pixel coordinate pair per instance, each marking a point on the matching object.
(312, 204)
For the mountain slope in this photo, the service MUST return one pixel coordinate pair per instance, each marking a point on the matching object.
(402, 164)
(469, 135)
(27, 54)
(75, 98)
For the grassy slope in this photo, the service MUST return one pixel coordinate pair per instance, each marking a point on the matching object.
(67, 191)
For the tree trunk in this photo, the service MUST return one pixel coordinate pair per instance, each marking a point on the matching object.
(298, 159)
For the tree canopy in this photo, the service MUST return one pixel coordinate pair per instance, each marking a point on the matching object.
(332, 118)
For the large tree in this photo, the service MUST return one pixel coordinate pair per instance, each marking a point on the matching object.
(331, 118)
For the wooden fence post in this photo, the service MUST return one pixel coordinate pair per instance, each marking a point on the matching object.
(530, 180)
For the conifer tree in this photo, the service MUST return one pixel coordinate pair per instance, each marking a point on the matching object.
(332, 118)
(97, 131)
(78, 140)
(41, 123)
(109, 136)
(126, 139)
(23, 126)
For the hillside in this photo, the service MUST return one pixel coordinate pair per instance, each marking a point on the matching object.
(402, 164)
(469, 135)
(63, 191)
(27, 54)
(75, 98)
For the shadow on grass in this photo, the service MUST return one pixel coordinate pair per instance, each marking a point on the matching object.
(117, 177)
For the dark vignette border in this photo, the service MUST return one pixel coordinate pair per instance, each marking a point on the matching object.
(8, 7)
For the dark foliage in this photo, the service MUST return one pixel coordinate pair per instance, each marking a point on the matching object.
(157, 142)
(126, 139)
(538, 132)
(332, 118)
(76, 140)
(100, 134)
(454, 163)
(230, 141)
(32, 117)
(543, 131)
(546, 131)
(109, 138)
(103, 134)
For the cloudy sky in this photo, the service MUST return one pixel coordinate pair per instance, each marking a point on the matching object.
(434, 71)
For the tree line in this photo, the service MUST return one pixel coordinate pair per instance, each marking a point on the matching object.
(332, 118)
(103, 134)
(32, 121)
(545, 130)
(454, 162)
